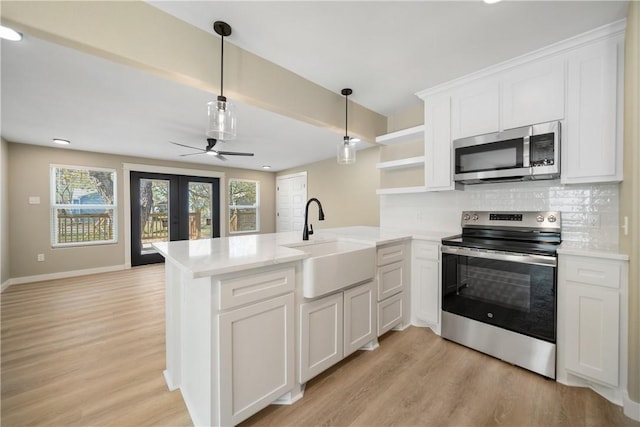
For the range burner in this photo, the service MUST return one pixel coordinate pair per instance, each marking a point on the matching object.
(521, 232)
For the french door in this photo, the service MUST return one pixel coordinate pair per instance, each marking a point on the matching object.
(171, 207)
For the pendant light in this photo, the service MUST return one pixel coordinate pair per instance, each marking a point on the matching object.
(222, 113)
(347, 147)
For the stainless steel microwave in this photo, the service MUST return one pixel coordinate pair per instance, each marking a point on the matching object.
(520, 154)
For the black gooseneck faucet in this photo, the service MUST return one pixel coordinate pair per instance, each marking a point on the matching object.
(308, 229)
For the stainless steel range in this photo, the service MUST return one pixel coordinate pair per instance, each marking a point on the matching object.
(499, 286)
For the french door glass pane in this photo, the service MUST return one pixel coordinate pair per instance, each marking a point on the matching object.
(154, 213)
(200, 205)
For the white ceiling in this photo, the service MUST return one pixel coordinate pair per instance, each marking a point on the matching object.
(384, 51)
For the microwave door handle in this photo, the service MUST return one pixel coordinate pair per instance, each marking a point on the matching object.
(526, 150)
(501, 256)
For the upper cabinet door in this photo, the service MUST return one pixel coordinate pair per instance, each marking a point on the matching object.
(533, 93)
(438, 159)
(475, 109)
(592, 140)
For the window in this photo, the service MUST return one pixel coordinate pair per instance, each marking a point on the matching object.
(244, 206)
(83, 206)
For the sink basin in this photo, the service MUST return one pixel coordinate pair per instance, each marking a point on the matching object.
(334, 265)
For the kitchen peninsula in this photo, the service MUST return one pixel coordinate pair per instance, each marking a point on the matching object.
(243, 332)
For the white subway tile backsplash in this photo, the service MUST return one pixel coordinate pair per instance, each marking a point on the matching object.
(441, 210)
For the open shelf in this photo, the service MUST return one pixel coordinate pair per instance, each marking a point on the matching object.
(401, 135)
(402, 163)
(401, 190)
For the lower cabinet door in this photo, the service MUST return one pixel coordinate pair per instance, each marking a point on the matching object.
(256, 357)
(359, 317)
(592, 329)
(389, 313)
(321, 335)
(425, 295)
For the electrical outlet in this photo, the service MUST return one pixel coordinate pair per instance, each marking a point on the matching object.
(40, 257)
(593, 220)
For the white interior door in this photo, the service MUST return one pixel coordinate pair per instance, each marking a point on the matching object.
(291, 196)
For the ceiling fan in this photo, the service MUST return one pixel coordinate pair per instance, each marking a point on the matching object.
(211, 142)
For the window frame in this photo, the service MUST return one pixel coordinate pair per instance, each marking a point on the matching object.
(256, 206)
(54, 207)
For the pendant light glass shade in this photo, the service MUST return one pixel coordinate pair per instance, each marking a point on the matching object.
(222, 119)
(222, 113)
(346, 151)
(346, 147)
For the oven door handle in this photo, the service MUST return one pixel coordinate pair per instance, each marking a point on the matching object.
(550, 261)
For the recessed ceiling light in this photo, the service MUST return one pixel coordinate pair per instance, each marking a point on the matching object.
(9, 34)
(266, 167)
(61, 141)
(491, 1)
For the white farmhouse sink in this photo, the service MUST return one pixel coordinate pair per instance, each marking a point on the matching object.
(333, 265)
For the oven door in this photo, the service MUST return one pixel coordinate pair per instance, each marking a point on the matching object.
(513, 291)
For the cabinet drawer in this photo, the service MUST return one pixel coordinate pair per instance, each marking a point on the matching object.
(426, 250)
(255, 287)
(390, 280)
(593, 272)
(392, 253)
(389, 313)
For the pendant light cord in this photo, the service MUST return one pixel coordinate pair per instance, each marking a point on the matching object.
(346, 115)
(221, 65)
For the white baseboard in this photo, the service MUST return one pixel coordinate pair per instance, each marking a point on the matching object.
(5, 285)
(631, 408)
(61, 275)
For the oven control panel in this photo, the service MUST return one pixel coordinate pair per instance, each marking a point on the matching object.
(546, 220)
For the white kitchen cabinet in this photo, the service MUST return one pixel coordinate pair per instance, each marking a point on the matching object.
(333, 327)
(593, 332)
(592, 137)
(230, 339)
(257, 347)
(425, 284)
(475, 109)
(533, 93)
(320, 335)
(392, 295)
(359, 317)
(438, 153)
(390, 313)
(591, 327)
(390, 279)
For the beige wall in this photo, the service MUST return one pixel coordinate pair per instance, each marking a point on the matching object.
(347, 192)
(630, 191)
(4, 212)
(406, 119)
(30, 229)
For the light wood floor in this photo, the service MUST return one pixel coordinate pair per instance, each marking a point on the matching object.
(90, 351)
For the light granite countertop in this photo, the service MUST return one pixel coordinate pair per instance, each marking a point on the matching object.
(211, 257)
(592, 250)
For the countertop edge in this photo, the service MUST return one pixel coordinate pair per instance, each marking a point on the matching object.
(593, 253)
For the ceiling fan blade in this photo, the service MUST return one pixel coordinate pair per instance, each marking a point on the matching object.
(188, 146)
(220, 156)
(192, 154)
(234, 153)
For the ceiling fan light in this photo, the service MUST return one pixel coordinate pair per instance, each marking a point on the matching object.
(10, 34)
(346, 151)
(222, 119)
(212, 153)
